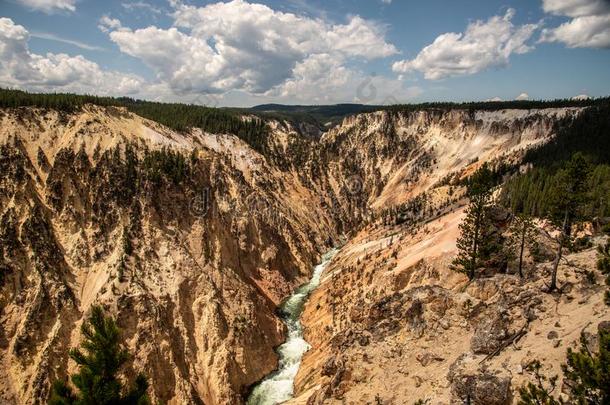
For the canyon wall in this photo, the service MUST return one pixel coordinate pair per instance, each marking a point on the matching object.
(192, 240)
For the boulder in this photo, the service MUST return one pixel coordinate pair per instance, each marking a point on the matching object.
(481, 389)
(426, 358)
(490, 332)
(552, 335)
(603, 326)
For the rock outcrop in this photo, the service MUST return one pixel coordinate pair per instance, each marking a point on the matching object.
(193, 239)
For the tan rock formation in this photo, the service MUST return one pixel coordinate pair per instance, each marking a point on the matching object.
(195, 265)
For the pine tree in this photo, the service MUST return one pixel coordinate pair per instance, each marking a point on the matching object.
(538, 393)
(522, 234)
(588, 374)
(603, 265)
(472, 228)
(100, 358)
(568, 195)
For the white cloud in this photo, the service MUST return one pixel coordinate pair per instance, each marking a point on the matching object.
(106, 23)
(321, 79)
(50, 6)
(236, 53)
(494, 100)
(140, 5)
(576, 8)
(53, 37)
(484, 45)
(243, 46)
(588, 28)
(522, 96)
(19, 67)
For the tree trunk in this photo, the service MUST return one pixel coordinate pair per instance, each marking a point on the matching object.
(553, 285)
(562, 239)
(475, 248)
(521, 253)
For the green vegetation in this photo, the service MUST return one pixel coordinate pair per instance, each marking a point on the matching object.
(59, 101)
(522, 234)
(570, 178)
(603, 265)
(182, 117)
(167, 163)
(586, 375)
(179, 117)
(589, 135)
(531, 193)
(499, 105)
(100, 359)
(540, 393)
(568, 195)
(472, 242)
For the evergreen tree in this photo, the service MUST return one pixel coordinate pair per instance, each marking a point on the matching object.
(472, 235)
(100, 358)
(603, 265)
(522, 234)
(568, 195)
(588, 374)
(538, 393)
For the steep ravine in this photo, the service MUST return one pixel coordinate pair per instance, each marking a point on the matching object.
(278, 386)
(196, 286)
(391, 324)
(193, 264)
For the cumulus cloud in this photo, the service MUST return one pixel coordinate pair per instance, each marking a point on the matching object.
(245, 46)
(589, 26)
(54, 72)
(106, 23)
(522, 96)
(484, 45)
(49, 6)
(234, 53)
(576, 8)
(322, 79)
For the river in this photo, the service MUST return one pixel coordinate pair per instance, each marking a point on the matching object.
(278, 386)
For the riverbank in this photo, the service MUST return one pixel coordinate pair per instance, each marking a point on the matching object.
(279, 386)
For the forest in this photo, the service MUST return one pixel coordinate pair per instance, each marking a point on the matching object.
(249, 123)
(179, 117)
(530, 193)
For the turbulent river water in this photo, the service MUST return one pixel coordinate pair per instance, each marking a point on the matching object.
(277, 387)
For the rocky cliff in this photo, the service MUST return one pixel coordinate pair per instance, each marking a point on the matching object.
(193, 261)
(193, 239)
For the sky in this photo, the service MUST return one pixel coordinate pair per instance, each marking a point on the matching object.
(243, 53)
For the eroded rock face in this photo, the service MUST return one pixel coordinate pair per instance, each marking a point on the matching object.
(170, 233)
(480, 389)
(490, 332)
(194, 264)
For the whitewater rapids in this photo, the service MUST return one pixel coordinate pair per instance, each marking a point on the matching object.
(278, 386)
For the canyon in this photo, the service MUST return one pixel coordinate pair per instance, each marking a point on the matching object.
(194, 263)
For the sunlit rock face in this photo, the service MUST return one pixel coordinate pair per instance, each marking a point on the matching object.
(279, 386)
(194, 264)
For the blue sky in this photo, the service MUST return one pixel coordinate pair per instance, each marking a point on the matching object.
(308, 52)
